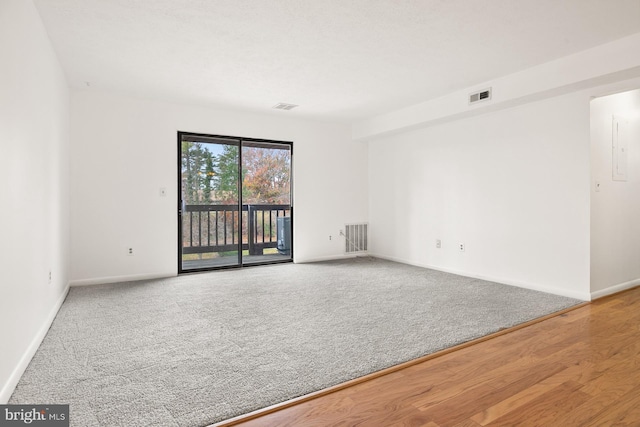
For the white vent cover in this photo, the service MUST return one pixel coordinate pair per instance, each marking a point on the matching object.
(284, 106)
(483, 95)
(356, 238)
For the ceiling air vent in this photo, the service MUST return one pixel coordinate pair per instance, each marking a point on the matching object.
(284, 106)
(483, 95)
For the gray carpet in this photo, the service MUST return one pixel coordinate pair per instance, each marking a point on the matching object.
(197, 349)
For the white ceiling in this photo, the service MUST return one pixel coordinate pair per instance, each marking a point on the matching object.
(338, 59)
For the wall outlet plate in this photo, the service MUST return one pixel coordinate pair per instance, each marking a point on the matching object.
(461, 247)
(438, 243)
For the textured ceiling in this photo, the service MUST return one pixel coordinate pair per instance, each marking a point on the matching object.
(337, 59)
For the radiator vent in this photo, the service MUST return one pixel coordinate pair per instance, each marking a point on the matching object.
(483, 95)
(356, 238)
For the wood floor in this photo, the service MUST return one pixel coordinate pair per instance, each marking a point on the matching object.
(581, 368)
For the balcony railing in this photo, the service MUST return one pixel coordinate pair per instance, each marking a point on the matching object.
(214, 228)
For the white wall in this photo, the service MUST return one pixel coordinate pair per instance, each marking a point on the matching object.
(615, 208)
(605, 64)
(125, 149)
(34, 194)
(512, 185)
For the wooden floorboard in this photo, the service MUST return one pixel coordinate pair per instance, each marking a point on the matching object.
(580, 368)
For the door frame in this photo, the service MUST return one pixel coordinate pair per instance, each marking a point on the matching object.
(179, 212)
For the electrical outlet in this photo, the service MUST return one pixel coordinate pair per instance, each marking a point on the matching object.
(129, 251)
(50, 276)
(438, 243)
(329, 236)
(461, 247)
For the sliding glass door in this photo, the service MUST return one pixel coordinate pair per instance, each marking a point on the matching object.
(235, 202)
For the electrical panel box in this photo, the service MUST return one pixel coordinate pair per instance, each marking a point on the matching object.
(620, 148)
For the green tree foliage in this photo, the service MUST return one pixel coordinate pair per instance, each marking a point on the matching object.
(212, 179)
(209, 169)
(225, 181)
(198, 171)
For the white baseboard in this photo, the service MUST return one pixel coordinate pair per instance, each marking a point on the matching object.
(326, 258)
(12, 382)
(117, 279)
(583, 296)
(615, 288)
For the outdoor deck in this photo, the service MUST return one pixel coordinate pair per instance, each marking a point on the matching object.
(223, 230)
(232, 260)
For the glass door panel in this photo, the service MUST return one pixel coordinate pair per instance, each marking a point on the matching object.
(210, 224)
(266, 195)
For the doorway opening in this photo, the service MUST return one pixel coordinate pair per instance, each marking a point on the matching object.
(615, 205)
(234, 205)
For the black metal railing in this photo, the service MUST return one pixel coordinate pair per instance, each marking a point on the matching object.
(214, 228)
